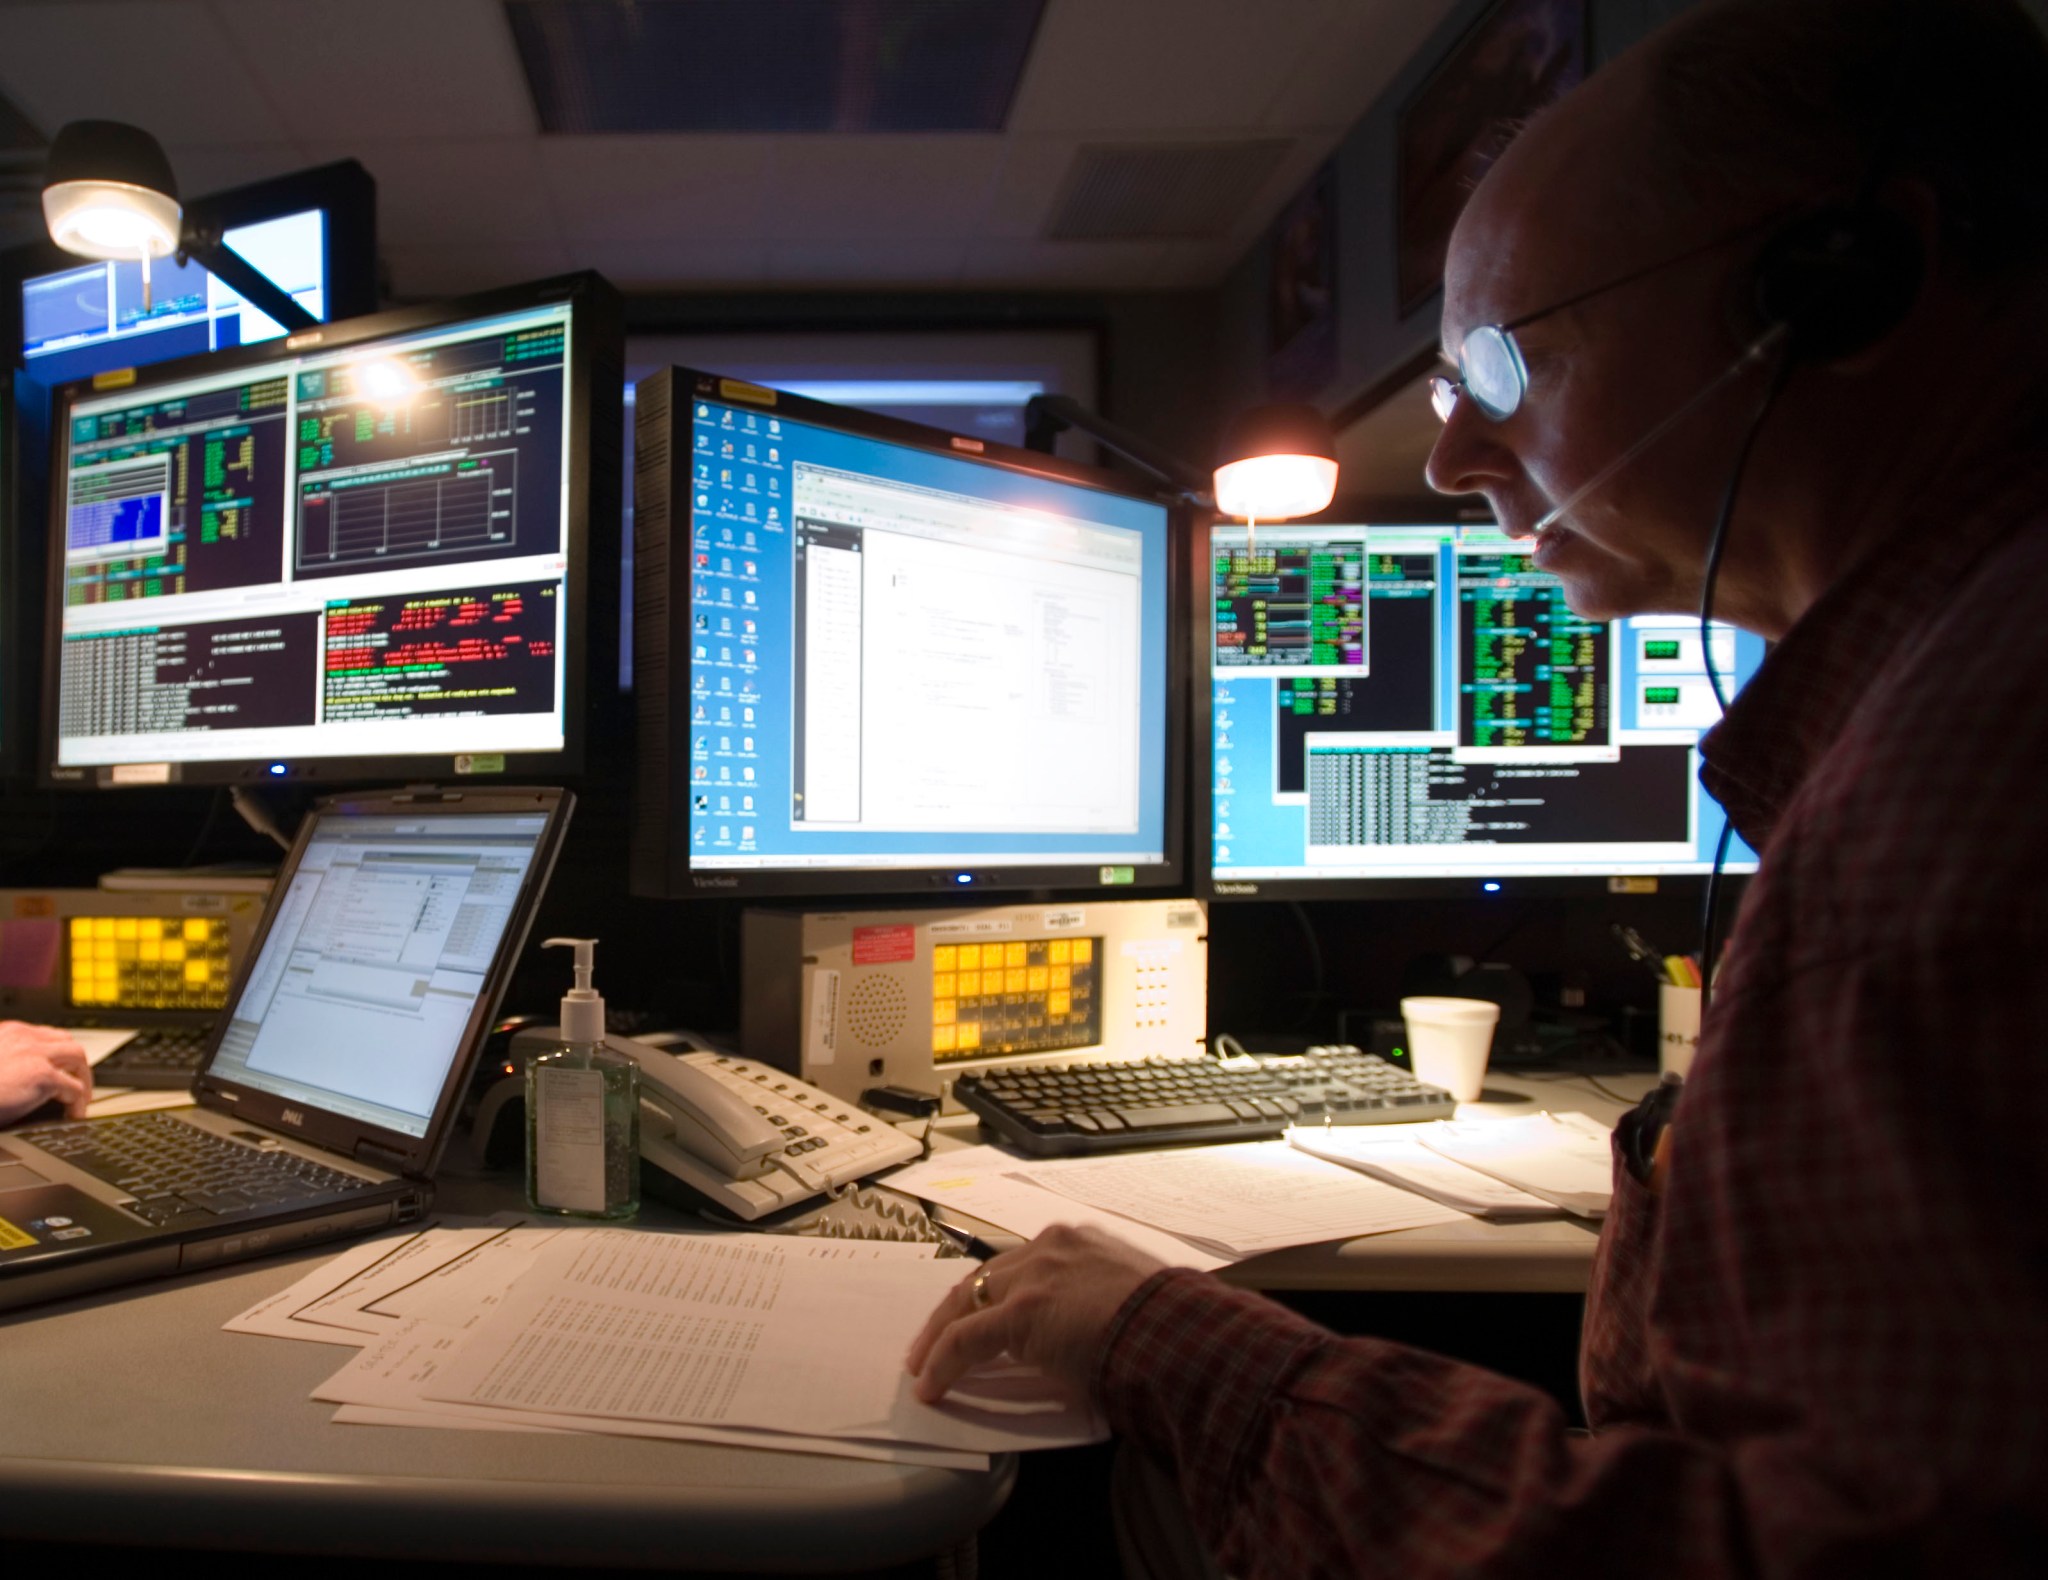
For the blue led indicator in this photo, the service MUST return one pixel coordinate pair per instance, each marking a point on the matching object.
(1490, 887)
(277, 770)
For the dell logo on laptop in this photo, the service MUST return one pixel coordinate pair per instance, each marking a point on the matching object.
(293, 1116)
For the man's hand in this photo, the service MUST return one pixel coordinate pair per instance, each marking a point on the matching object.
(1045, 1304)
(38, 1063)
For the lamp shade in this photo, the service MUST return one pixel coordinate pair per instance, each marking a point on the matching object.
(108, 192)
(1275, 463)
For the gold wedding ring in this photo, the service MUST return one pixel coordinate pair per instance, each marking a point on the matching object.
(981, 1297)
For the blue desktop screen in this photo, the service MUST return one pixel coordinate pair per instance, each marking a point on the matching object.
(1404, 702)
(904, 659)
(85, 320)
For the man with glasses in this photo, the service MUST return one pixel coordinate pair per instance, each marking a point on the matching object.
(1756, 320)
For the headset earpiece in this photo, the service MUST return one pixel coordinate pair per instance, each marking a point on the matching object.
(1840, 278)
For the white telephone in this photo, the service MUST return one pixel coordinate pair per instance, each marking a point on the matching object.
(752, 1138)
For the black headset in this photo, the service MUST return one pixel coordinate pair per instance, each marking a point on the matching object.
(1839, 279)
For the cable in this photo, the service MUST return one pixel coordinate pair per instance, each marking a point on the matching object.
(1718, 544)
(1716, 547)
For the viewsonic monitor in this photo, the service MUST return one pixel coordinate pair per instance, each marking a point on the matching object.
(361, 552)
(873, 657)
(1414, 708)
(313, 233)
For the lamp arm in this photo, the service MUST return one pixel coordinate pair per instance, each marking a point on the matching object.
(242, 277)
(1046, 416)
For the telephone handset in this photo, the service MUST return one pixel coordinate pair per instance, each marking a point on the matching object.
(752, 1138)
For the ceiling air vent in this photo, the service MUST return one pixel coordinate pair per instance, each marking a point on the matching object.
(1176, 191)
(773, 65)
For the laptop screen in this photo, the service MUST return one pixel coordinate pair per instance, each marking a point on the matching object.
(383, 941)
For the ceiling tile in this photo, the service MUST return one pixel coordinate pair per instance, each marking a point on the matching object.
(434, 192)
(908, 261)
(1345, 65)
(1064, 265)
(674, 265)
(650, 187)
(419, 272)
(1153, 66)
(205, 168)
(167, 65)
(341, 69)
(827, 188)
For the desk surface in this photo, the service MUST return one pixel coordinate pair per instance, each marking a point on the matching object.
(1548, 1256)
(132, 1416)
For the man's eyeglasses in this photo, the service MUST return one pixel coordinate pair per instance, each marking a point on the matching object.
(1491, 372)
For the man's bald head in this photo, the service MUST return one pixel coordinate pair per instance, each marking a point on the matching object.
(1621, 232)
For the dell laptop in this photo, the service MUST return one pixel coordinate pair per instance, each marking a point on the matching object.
(334, 1076)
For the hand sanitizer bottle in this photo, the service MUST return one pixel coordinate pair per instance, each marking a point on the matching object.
(582, 1111)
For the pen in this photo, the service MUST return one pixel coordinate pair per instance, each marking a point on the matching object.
(1639, 949)
(968, 1244)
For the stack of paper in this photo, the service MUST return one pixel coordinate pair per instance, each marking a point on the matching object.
(765, 1341)
(1563, 1158)
(1400, 1160)
(1189, 1206)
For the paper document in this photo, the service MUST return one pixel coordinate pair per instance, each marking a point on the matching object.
(1564, 1158)
(1412, 1166)
(986, 1183)
(1241, 1199)
(750, 1331)
(381, 1387)
(98, 1043)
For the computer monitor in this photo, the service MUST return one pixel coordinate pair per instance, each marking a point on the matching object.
(11, 654)
(874, 657)
(361, 552)
(313, 233)
(1412, 707)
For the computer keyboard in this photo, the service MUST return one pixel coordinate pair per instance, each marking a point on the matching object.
(1064, 1110)
(177, 1174)
(160, 1058)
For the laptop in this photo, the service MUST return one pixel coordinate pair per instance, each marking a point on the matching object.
(335, 1075)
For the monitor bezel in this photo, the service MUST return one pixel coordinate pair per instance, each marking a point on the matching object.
(14, 650)
(1016, 883)
(596, 337)
(344, 191)
(1488, 887)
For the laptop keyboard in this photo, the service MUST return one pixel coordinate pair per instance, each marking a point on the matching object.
(178, 1175)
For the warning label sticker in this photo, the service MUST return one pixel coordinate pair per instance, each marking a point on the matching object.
(883, 946)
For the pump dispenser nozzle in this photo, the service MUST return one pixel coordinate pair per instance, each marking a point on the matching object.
(582, 1005)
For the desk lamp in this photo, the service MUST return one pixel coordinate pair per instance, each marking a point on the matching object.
(108, 192)
(1275, 463)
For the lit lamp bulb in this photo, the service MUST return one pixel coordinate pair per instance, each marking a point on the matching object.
(108, 192)
(1276, 463)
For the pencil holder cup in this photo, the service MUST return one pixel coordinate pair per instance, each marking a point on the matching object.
(1678, 1027)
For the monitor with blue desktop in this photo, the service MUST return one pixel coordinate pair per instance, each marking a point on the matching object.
(888, 658)
(1404, 708)
(358, 554)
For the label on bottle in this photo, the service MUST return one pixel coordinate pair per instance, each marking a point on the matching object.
(568, 1139)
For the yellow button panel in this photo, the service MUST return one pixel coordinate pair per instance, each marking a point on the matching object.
(149, 962)
(1020, 996)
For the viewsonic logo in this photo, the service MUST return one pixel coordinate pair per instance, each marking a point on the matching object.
(293, 1116)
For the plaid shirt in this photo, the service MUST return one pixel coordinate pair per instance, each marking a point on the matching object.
(1823, 1349)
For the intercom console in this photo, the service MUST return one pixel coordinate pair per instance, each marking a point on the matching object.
(917, 998)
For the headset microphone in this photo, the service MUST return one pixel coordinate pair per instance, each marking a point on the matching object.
(1751, 355)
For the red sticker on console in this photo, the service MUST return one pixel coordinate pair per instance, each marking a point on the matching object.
(882, 946)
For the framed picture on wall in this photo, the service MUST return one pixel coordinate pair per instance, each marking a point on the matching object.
(1301, 308)
(1518, 57)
